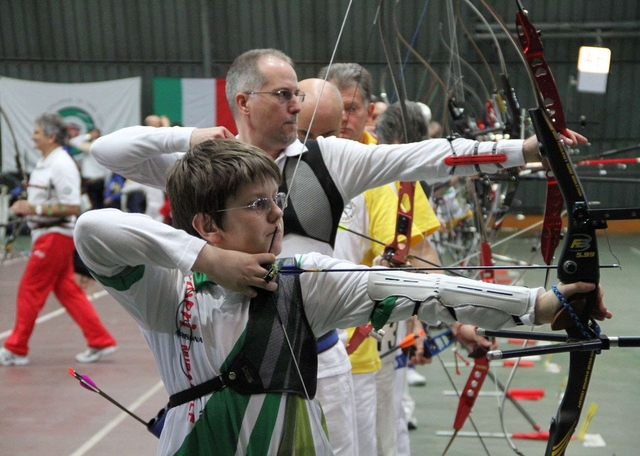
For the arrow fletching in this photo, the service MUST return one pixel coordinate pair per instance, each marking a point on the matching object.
(85, 381)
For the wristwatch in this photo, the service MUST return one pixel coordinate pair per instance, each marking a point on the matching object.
(39, 209)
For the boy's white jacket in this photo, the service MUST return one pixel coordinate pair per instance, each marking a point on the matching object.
(149, 267)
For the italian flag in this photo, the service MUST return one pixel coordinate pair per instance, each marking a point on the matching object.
(193, 102)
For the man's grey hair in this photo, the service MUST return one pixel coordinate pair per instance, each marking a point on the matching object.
(53, 123)
(390, 127)
(245, 75)
(347, 75)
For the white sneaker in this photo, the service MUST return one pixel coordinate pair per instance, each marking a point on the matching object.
(8, 358)
(91, 355)
(415, 379)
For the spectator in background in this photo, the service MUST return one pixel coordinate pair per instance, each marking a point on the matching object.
(354, 83)
(51, 208)
(153, 120)
(435, 129)
(93, 173)
(143, 199)
(130, 196)
(379, 107)
(113, 191)
(146, 199)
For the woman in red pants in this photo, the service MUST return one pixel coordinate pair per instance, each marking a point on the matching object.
(51, 208)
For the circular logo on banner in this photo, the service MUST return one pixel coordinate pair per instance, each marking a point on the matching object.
(79, 122)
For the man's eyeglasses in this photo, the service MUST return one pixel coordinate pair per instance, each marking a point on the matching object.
(284, 95)
(263, 205)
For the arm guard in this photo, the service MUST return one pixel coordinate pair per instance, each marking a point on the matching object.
(438, 297)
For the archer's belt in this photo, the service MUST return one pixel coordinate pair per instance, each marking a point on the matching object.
(326, 341)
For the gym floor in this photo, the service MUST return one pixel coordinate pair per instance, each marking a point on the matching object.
(43, 410)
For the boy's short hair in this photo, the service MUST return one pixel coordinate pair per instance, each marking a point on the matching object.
(209, 174)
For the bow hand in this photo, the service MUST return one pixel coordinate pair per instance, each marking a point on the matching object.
(549, 309)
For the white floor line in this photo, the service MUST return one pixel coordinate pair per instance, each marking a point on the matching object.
(57, 312)
(102, 433)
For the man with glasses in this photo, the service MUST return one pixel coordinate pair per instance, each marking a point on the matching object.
(319, 176)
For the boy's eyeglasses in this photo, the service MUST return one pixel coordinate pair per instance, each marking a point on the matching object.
(284, 95)
(263, 205)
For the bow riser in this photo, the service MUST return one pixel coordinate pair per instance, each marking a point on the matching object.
(579, 260)
(397, 252)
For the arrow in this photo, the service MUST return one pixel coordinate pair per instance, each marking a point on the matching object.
(298, 270)
(404, 343)
(89, 384)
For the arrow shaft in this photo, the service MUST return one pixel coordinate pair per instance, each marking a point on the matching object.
(121, 407)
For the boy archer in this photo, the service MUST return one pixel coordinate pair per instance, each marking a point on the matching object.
(241, 371)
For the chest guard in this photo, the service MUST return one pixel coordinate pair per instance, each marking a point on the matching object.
(265, 363)
(315, 204)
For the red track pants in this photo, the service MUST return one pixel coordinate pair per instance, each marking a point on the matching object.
(50, 268)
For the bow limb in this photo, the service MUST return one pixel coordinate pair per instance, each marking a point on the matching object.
(396, 77)
(549, 100)
(474, 44)
(397, 251)
(511, 109)
(546, 93)
(410, 49)
(464, 123)
(467, 397)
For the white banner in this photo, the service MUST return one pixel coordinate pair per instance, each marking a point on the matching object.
(108, 106)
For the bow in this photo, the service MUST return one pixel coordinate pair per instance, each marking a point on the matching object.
(21, 194)
(579, 258)
(20, 169)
